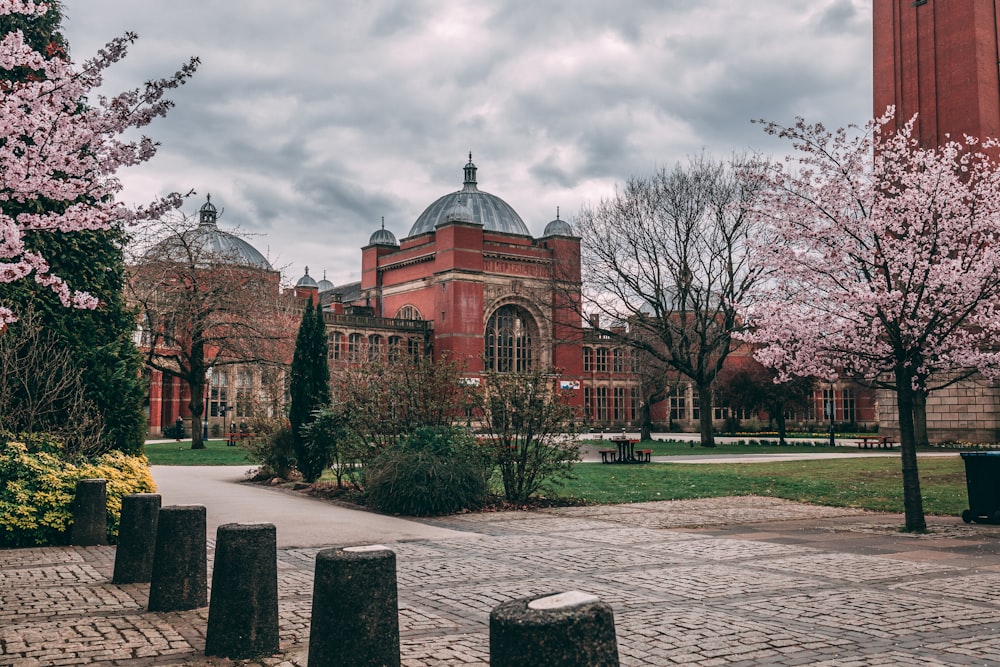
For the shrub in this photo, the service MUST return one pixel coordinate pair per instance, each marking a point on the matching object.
(432, 471)
(272, 447)
(36, 500)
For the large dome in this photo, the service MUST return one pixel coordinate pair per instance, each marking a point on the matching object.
(207, 244)
(493, 213)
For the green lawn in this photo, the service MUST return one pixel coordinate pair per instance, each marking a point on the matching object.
(684, 448)
(216, 453)
(868, 483)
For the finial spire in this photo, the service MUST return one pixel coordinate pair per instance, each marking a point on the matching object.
(383, 222)
(470, 175)
(557, 212)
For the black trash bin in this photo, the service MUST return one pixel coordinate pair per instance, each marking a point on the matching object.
(982, 477)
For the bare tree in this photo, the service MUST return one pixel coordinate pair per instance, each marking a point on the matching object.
(204, 304)
(668, 256)
(42, 389)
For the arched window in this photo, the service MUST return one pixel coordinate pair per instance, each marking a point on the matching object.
(374, 347)
(335, 345)
(395, 345)
(354, 345)
(408, 312)
(510, 340)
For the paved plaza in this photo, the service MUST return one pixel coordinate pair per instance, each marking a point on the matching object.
(731, 581)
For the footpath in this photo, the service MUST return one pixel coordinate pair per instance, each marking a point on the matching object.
(724, 581)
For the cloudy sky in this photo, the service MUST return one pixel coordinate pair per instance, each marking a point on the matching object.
(310, 120)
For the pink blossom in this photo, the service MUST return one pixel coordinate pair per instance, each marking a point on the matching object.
(60, 152)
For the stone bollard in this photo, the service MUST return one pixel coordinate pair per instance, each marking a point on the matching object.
(355, 611)
(180, 563)
(570, 629)
(243, 612)
(136, 538)
(90, 513)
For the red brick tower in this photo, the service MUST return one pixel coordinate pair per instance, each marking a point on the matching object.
(938, 58)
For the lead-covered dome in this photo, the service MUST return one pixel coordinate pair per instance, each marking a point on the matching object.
(558, 228)
(307, 280)
(207, 244)
(383, 237)
(493, 213)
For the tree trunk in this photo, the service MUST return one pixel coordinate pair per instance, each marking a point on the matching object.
(913, 505)
(779, 420)
(920, 418)
(705, 416)
(645, 422)
(197, 406)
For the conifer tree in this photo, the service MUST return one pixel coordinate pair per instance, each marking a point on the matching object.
(309, 386)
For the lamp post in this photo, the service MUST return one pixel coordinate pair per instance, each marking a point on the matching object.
(208, 393)
(832, 410)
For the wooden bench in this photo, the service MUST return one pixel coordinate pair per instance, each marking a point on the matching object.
(874, 442)
(608, 455)
(644, 455)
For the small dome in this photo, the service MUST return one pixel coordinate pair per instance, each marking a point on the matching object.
(558, 227)
(493, 213)
(383, 237)
(306, 280)
(324, 284)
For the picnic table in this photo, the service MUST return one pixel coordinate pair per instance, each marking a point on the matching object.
(874, 441)
(625, 453)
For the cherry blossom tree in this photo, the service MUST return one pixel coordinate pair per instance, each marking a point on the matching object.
(61, 145)
(886, 265)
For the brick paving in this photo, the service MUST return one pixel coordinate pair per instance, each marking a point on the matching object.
(725, 581)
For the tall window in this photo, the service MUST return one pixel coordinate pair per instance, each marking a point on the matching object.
(602, 360)
(588, 360)
(395, 345)
(619, 403)
(220, 392)
(678, 408)
(335, 345)
(696, 407)
(850, 411)
(509, 341)
(618, 357)
(414, 348)
(244, 393)
(602, 404)
(634, 402)
(354, 345)
(374, 347)
(588, 403)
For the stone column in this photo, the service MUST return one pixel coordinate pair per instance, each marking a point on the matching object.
(355, 611)
(562, 630)
(136, 538)
(243, 612)
(180, 562)
(90, 513)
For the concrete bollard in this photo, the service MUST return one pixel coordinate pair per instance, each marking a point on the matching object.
(180, 562)
(355, 611)
(243, 612)
(136, 538)
(90, 513)
(570, 629)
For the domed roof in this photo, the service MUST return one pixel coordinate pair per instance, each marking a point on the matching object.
(383, 237)
(558, 227)
(307, 280)
(324, 284)
(493, 213)
(207, 244)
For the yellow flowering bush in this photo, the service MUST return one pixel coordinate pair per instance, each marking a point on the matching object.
(37, 485)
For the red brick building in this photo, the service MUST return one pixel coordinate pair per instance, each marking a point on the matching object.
(939, 59)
